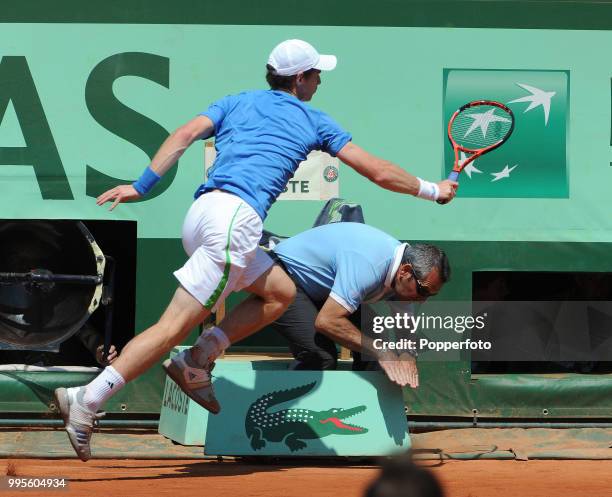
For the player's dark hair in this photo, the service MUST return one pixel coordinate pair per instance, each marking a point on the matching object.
(278, 82)
(401, 477)
(425, 257)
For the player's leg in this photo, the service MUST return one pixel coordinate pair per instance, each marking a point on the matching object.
(79, 405)
(311, 350)
(207, 237)
(272, 292)
(182, 315)
(222, 249)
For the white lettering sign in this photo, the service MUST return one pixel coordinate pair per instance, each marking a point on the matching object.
(317, 178)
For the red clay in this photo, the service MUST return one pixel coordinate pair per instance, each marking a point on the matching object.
(151, 478)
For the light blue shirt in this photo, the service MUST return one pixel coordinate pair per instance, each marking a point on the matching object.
(261, 137)
(352, 263)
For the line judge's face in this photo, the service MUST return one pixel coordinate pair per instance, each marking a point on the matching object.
(408, 288)
(306, 84)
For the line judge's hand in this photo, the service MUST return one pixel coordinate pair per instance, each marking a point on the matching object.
(121, 193)
(401, 369)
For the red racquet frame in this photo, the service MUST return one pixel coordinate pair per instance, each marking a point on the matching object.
(476, 152)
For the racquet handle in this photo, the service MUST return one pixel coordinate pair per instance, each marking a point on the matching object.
(452, 177)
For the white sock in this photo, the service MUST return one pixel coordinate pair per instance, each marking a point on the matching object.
(221, 337)
(102, 388)
(211, 344)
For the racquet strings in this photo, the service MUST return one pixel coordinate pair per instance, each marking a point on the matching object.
(481, 126)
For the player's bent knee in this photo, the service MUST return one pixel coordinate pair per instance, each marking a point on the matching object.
(282, 293)
(283, 301)
(287, 296)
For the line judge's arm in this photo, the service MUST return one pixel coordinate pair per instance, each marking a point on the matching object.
(333, 322)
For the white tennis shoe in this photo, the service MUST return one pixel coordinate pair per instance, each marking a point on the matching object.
(78, 419)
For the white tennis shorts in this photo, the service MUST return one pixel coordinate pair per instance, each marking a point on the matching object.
(221, 234)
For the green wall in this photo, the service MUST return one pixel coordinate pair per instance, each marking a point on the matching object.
(87, 94)
(524, 14)
(78, 115)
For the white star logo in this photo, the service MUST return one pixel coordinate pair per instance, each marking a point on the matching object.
(538, 97)
(504, 173)
(482, 121)
(470, 168)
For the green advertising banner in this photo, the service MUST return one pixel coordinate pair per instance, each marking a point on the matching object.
(85, 106)
(533, 163)
(270, 410)
(306, 413)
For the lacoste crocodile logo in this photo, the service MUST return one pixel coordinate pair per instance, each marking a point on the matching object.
(293, 426)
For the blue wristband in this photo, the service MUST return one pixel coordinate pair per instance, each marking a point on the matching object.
(148, 179)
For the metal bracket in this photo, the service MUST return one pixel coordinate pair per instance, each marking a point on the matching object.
(108, 299)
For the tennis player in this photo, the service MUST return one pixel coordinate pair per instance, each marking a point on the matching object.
(261, 137)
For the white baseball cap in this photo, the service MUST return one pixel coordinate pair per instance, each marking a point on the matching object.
(294, 56)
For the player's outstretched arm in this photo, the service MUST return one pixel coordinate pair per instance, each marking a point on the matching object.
(333, 322)
(390, 176)
(168, 154)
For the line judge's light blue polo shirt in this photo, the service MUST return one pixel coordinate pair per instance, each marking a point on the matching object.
(261, 137)
(352, 263)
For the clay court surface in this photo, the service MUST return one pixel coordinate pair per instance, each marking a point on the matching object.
(136, 478)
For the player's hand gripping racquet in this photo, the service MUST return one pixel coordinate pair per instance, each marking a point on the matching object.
(477, 128)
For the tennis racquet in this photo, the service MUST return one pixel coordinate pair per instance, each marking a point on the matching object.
(477, 128)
